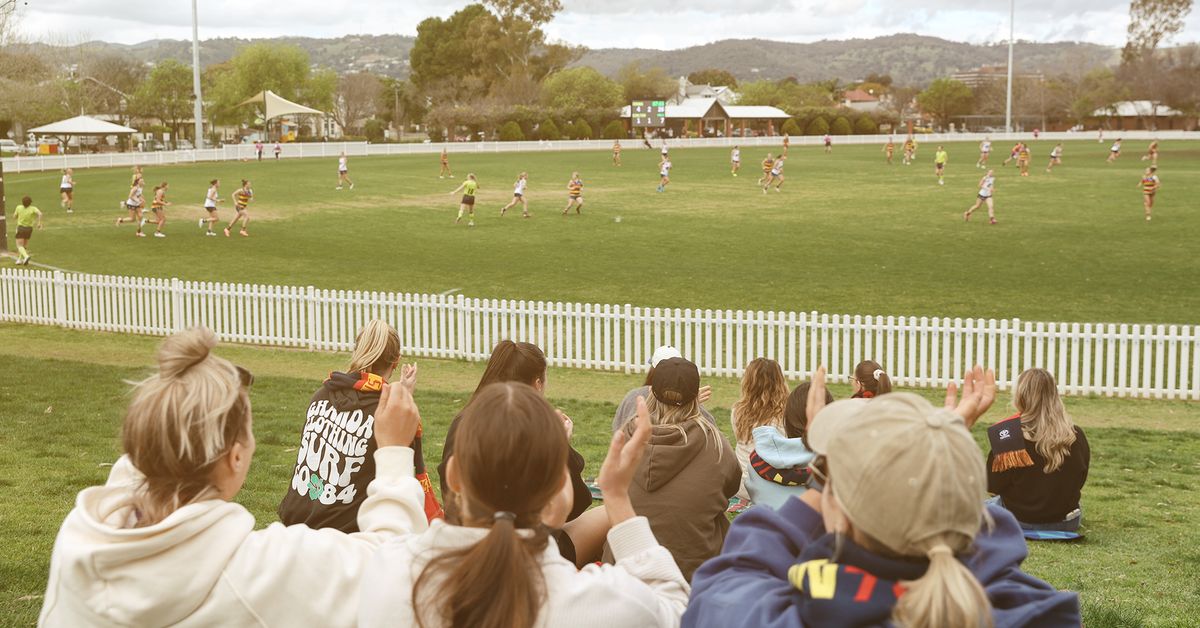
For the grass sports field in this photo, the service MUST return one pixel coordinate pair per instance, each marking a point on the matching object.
(848, 234)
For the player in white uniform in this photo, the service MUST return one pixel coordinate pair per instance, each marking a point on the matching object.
(987, 187)
(735, 160)
(985, 151)
(664, 172)
(518, 196)
(344, 172)
(66, 189)
(1115, 151)
(134, 204)
(776, 174)
(664, 149)
(211, 198)
(1055, 157)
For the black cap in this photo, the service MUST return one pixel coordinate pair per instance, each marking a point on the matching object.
(676, 382)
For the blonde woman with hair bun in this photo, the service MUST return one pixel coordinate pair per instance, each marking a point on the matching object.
(899, 535)
(163, 543)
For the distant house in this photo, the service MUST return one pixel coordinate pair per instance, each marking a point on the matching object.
(987, 74)
(1132, 115)
(709, 117)
(688, 90)
(860, 100)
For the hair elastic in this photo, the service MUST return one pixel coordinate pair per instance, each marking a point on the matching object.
(877, 373)
(939, 549)
(503, 514)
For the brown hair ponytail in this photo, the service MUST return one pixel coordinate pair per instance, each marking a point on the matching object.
(510, 453)
(521, 362)
(873, 379)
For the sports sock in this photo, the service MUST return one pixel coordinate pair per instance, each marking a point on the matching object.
(23, 252)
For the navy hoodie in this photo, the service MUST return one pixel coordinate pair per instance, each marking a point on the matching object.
(749, 583)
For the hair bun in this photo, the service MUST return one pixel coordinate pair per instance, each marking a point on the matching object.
(181, 351)
(877, 374)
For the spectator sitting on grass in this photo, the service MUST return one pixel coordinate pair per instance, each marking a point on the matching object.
(499, 568)
(870, 380)
(162, 543)
(335, 459)
(689, 472)
(578, 532)
(899, 535)
(779, 463)
(764, 397)
(628, 405)
(1039, 459)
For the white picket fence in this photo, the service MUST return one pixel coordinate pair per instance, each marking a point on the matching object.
(330, 150)
(1125, 360)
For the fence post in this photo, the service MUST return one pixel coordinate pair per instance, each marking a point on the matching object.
(176, 304)
(310, 298)
(60, 298)
(627, 316)
(460, 308)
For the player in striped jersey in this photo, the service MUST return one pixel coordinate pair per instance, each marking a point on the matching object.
(518, 196)
(617, 152)
(445, 171)
(241, 200)
(776, 175)
(66, 189)
(574, 194)
(767, 165)
(890, 149)
(1149, 187)
(159, 206)
(1152, 154)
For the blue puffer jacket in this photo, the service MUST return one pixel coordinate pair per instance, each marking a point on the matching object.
(774, 461)
(748, 584)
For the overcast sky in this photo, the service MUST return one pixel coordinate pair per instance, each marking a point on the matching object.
(660, 24)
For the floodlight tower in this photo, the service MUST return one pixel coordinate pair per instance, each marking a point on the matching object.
(198, 104)
(1012, 16)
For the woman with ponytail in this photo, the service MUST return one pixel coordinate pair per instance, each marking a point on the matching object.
(335, 458)
(162, 543)
(870, 380)
(498, 568)
(578, 532)
(898, 536)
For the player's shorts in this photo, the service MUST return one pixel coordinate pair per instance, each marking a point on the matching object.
(518, 195)
(239, 208)
(343, 171)
(131, 207)
(1115, 151)
(736, 162)
(940, 167)
(776, 173)
(66, 190)
(575, 197)
(468, 199)
(829, 143)
(984, 197)
(985, 151)
(24, 233)
(158, 208)
(210, 208)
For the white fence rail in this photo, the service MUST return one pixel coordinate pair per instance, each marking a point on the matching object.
(236, 152)
(1158, 361)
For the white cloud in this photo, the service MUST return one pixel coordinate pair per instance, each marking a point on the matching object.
(599, 23)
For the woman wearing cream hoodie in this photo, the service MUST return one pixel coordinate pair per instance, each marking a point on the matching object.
(161, 543)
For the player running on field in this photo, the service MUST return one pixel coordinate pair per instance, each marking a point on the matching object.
(134, 204)
(66, 190)
(1055, 157)
(787, 142)
(445, 172)
(767, 165)
(574, 194)
(1012, 154)
(344, 172)
(987, 187)
(211, 198)
(617, 153)
(776, 175)
(28, 217)
(910, 151)
(985, 152)
(137, 174)
(828, 143)
(1115, 151)
(664, 173)
(735, 160)
(1151, 154)
(518, 196)
(278, 150)
(890, 150)
(1149, 186)
(1023, 158)
(468, 188)
(241, 201)
(939, 164)
(159, 206)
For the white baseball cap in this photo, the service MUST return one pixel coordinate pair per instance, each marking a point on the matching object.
(665, 352)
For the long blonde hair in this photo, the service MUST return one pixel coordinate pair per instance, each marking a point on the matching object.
(763, 401)
(181, 422)
(376, 348)
(1044, 420)
(675, 416)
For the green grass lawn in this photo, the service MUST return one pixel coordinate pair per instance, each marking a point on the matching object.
(848, 234)
(62, 395)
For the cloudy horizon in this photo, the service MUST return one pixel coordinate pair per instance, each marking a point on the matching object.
(601, 23)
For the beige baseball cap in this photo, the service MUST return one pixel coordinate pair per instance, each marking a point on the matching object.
(902, 469)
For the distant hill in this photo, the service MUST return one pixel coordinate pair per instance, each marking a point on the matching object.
(910, 59)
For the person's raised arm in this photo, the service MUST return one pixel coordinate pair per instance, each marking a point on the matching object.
(978, 394)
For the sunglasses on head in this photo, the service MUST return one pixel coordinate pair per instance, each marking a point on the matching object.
(244, 376)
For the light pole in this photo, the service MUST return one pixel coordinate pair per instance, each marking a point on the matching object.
(198, 105)
(1012, 16)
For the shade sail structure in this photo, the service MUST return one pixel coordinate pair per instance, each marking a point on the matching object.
(275, 105)
(82, 125)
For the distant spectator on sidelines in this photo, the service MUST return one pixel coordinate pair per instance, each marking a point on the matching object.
(779, 463)
(628, 405)
(1039, 459)
(870, 380)
(762, 402)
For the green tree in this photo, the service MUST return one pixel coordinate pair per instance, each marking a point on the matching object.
(166, 95)
(944, 99)
(865, 126)
(512, 48)
(547, 130)
(614, 130)
(373, 130)
(281, 68)
(356, 100)
(817, 126)
(1143, 65)
(581, 90)
(787, 95)
(840, 126)
(442, 58)
(583, 130)
(714, 77)
(511, 132)
(637, 84)
(791, 128)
